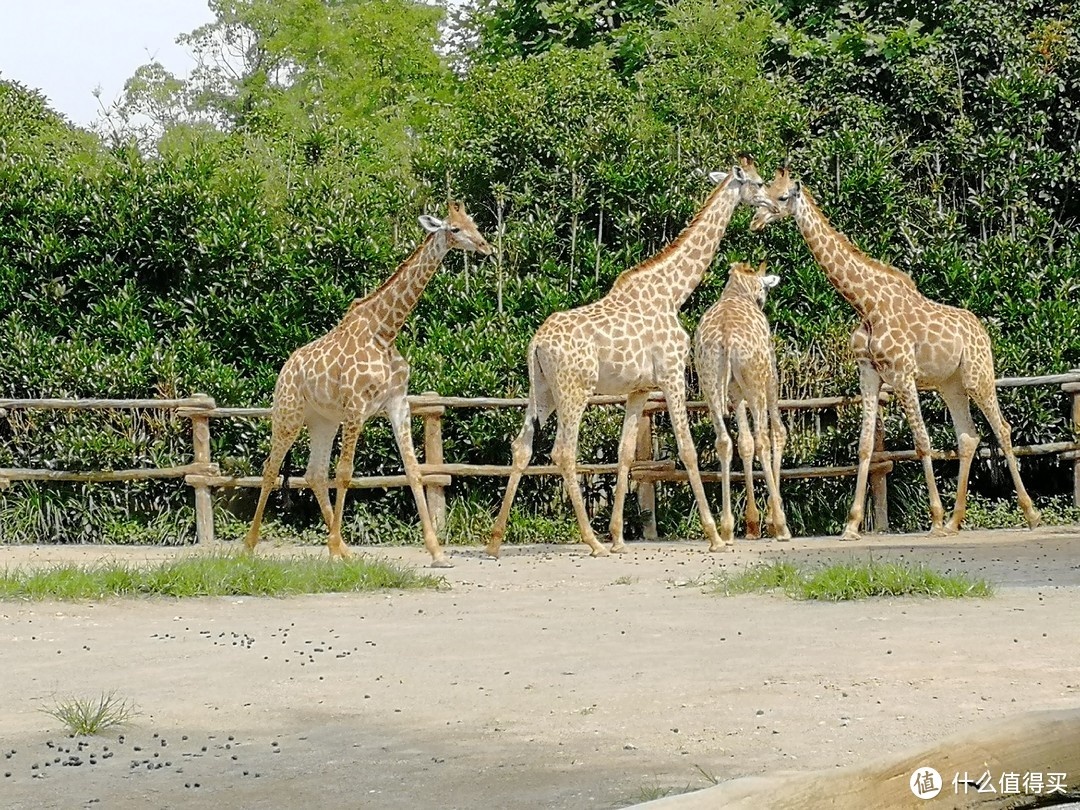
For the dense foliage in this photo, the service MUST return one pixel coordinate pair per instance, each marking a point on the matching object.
(211, 225)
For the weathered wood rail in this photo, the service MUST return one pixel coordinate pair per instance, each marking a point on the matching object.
(203, 475)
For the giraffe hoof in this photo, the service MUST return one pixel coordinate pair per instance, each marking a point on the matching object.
(442, 562)
(1034, 519)
(492, 551)
(939, 531)
(599, 552)
(618, 548)
(719, 547)
(850, 536)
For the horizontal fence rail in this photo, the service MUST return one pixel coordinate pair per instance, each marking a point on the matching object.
(203, 475)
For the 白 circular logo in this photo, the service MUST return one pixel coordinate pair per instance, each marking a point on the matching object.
(925, 783)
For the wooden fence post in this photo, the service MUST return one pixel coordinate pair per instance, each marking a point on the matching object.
(646, 490)
(200, 440)
(878, 481)
(433, 454)
(1074, 389)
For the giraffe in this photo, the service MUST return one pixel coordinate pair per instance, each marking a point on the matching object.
(733, 353)
(355, 371)
(627, 343)
(909, 342)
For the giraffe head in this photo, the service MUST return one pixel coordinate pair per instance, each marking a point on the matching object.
(749, 282)
(745, 177)
(461, 232)
(783, 193)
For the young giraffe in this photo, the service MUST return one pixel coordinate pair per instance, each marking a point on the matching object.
(909, 342)
(353, 372)
(733, 347)
(629, 342)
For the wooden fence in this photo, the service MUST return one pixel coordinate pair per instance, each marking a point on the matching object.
(203, 475)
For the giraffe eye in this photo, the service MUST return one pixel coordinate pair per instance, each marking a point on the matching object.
(784, 197)
(455, 230)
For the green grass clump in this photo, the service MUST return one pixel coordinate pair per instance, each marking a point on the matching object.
(92, 715)
(217, 574)
(843, 581)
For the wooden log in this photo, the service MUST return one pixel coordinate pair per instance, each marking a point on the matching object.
(204, 505)
(199, 401)
(984, 452)
(433, 454)
(299, 482)
(1042, 742)
(1076, 435)
(879, 482)
(100, 476)
(646, 490)
(737, 475)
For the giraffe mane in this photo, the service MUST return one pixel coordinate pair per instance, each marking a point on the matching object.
(626, 276)
(876, 264)
(358, 302)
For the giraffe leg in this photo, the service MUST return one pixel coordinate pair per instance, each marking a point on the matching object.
(564, 454)
(284, 432)
(350, 432)
(674, 390)
(713, 375)
(909, 399)
(536, 413)
(635, 405)
(763, 440)
(322, 441)
(988, 404)
(869, 387)
(746, 454)
(967, 442)
(397, 409)
(778, 439)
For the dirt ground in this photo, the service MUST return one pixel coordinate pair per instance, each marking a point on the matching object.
(546, 679)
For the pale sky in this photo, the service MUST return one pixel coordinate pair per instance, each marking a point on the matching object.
(66, 48)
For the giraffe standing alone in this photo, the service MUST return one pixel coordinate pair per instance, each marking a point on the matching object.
(353, 372)
(734, 355)
(629, 342)
(909, 342)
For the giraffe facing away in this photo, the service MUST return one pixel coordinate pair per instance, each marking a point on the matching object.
(628, 343)
(910, 343)
(355, 371)
(734, 356)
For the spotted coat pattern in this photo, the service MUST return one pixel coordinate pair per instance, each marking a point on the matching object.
(354, 372)
(630, 342)
(910, 343)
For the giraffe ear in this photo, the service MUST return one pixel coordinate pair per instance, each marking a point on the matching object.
(717, 177)
(770, 281)
(430, 223)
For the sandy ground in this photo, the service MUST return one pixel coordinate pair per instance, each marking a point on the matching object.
(546, 679)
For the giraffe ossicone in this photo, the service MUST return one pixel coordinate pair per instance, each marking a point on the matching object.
(630, 342)
(909, 342)
(736, 363)
(355, 371)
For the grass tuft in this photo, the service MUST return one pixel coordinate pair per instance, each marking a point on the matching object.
(843, 581)
(215, 574)
(86, 716)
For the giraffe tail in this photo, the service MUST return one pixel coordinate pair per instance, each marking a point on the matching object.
(540, 398)
(288, 467)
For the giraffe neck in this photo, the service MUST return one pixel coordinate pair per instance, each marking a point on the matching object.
(858, 278)
(384, 311)
(674, 273)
